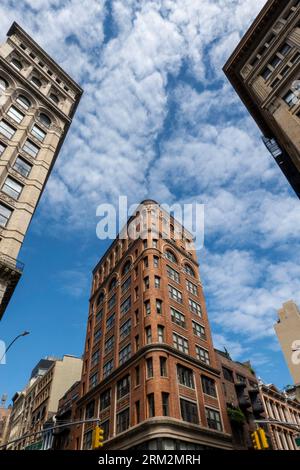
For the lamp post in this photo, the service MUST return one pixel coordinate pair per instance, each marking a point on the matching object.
(25, 333)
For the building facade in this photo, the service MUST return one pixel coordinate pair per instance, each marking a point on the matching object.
(286, 411)
(37, 103)
(150, 371)
(288, 333)
(66, 413)
(243, 399)
(264, 69)
(4, 424)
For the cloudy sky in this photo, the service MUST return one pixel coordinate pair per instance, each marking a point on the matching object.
(157, 119)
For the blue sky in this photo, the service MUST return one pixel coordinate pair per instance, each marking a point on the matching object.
(159, 120)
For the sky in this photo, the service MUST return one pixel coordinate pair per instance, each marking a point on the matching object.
(159, 120)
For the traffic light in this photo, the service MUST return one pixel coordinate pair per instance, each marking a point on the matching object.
(98, 437)
(255, 440)
(263, 438)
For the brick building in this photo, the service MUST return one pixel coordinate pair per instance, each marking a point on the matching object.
(66, 413)
(150, 371)
(264, 69)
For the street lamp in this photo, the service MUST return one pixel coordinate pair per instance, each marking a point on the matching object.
(25, 333)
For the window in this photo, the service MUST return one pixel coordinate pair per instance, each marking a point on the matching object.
(154, 243)
(16, 63)
(137, 342)
(112, 302)
(228, 374)
(93, 380)
(124, 354)
(146, 282)
(195, 308)
(36, 81)
(175, 294)
(165, 403)
(145, 244)
(170, 256)
(22, 167)
(95, 358)
(3, 84)
(209, 386)
(30, 148)
(198, 330)
(12, 188)
(213, 419)
(7, 130)
(123, 387)
(192, 288)
(151, 405)
(125, 329)
(163, 366)
(290, 98)
(146, 262)
(123, 421)
(202, 355)
(147, 307)
(161, 333)
(177, 317)
(148, 335)
(109, 344)
(126, 284)
(189, 411)
(158, 306)
(125, 306)
(54, 98)
(23, 101)
(108, 368)
(126, 267)
(136, 293)
(275, 61)
(157, 282)
(185, 376)
(38, 133)
(44, 119)
(2, 148)
(105, 399)
(266, 73)
(15, 114)
(180, 343)
(136, 317)
(87, 440)
(100, 298)
(137, 376)
(137, 412)
(285, 49)
(99, 316)
(155, 261)
(110, 321)
(5, 214)
(149, 364)
(112, 284)
(172, 274)
(105, 427)
(241, 379)
(90, 410)
(97, 336)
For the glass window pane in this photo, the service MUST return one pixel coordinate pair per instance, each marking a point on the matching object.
(30, 148)
(22, 166)
(23, 101)
(38, 133)
(12, 188)
(6, 129)
(5, 214)
(15, 114)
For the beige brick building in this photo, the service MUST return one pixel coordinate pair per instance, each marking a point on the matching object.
(264, 69)
(37, 103)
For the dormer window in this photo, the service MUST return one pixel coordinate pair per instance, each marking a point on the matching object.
(36, 81)
(44, 119)
(16, 63)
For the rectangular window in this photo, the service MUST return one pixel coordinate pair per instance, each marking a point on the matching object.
(137, 342)
(149, 364)
(213, 419)
(148, 335)
(137, 412)
(195, 308)
(108, 368)
(199, 330)
(290, 98)
(22, 167)
(136, 317)
(159, 306)
(161, 333)
(151, 405)
(228, 374)
(192, 288)
(97, 336)
(185, 376)
(156, 282)
(241, 379)
(285, 49)
(5, 214)
(126, 284)
(87, 440)
(125, 306)
(189, 411)
(15, 114)
(163, 366)
(177, 317)
(146, 262)
(266, 73)
(30, 148)
(165, 403)
(2, 148)
(109, 344)
(12, 188)
(125, 329)
(172, 274)
(90, 410)
(7, 130)
(110, 321)
(123, 421)
(137, 376)
(275, 61)
(155, 261)
(136, 293)
(202, 355)
(175, 294)
(146, 282)
(112, 302)
(99, 316)
(209, 386)
(124, 354)
(38, 133)
(105, 398)
(180, 343)
(123, 387)
(95, 358)
(93, 380)
(154, 243)
(147, 307)
(105, 427)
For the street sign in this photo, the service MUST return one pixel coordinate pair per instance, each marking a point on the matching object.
(297, 440)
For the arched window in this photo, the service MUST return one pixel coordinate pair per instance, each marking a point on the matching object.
(126, 267)
(3, 84)
(189, 270)
(100, 299)
(23, 101)
(16, 63)
(171, 257)
(112, 284)
(36, 81)
(45, 119)
(54, 98)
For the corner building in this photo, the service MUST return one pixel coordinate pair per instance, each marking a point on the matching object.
(150, 373)
(37, 103)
